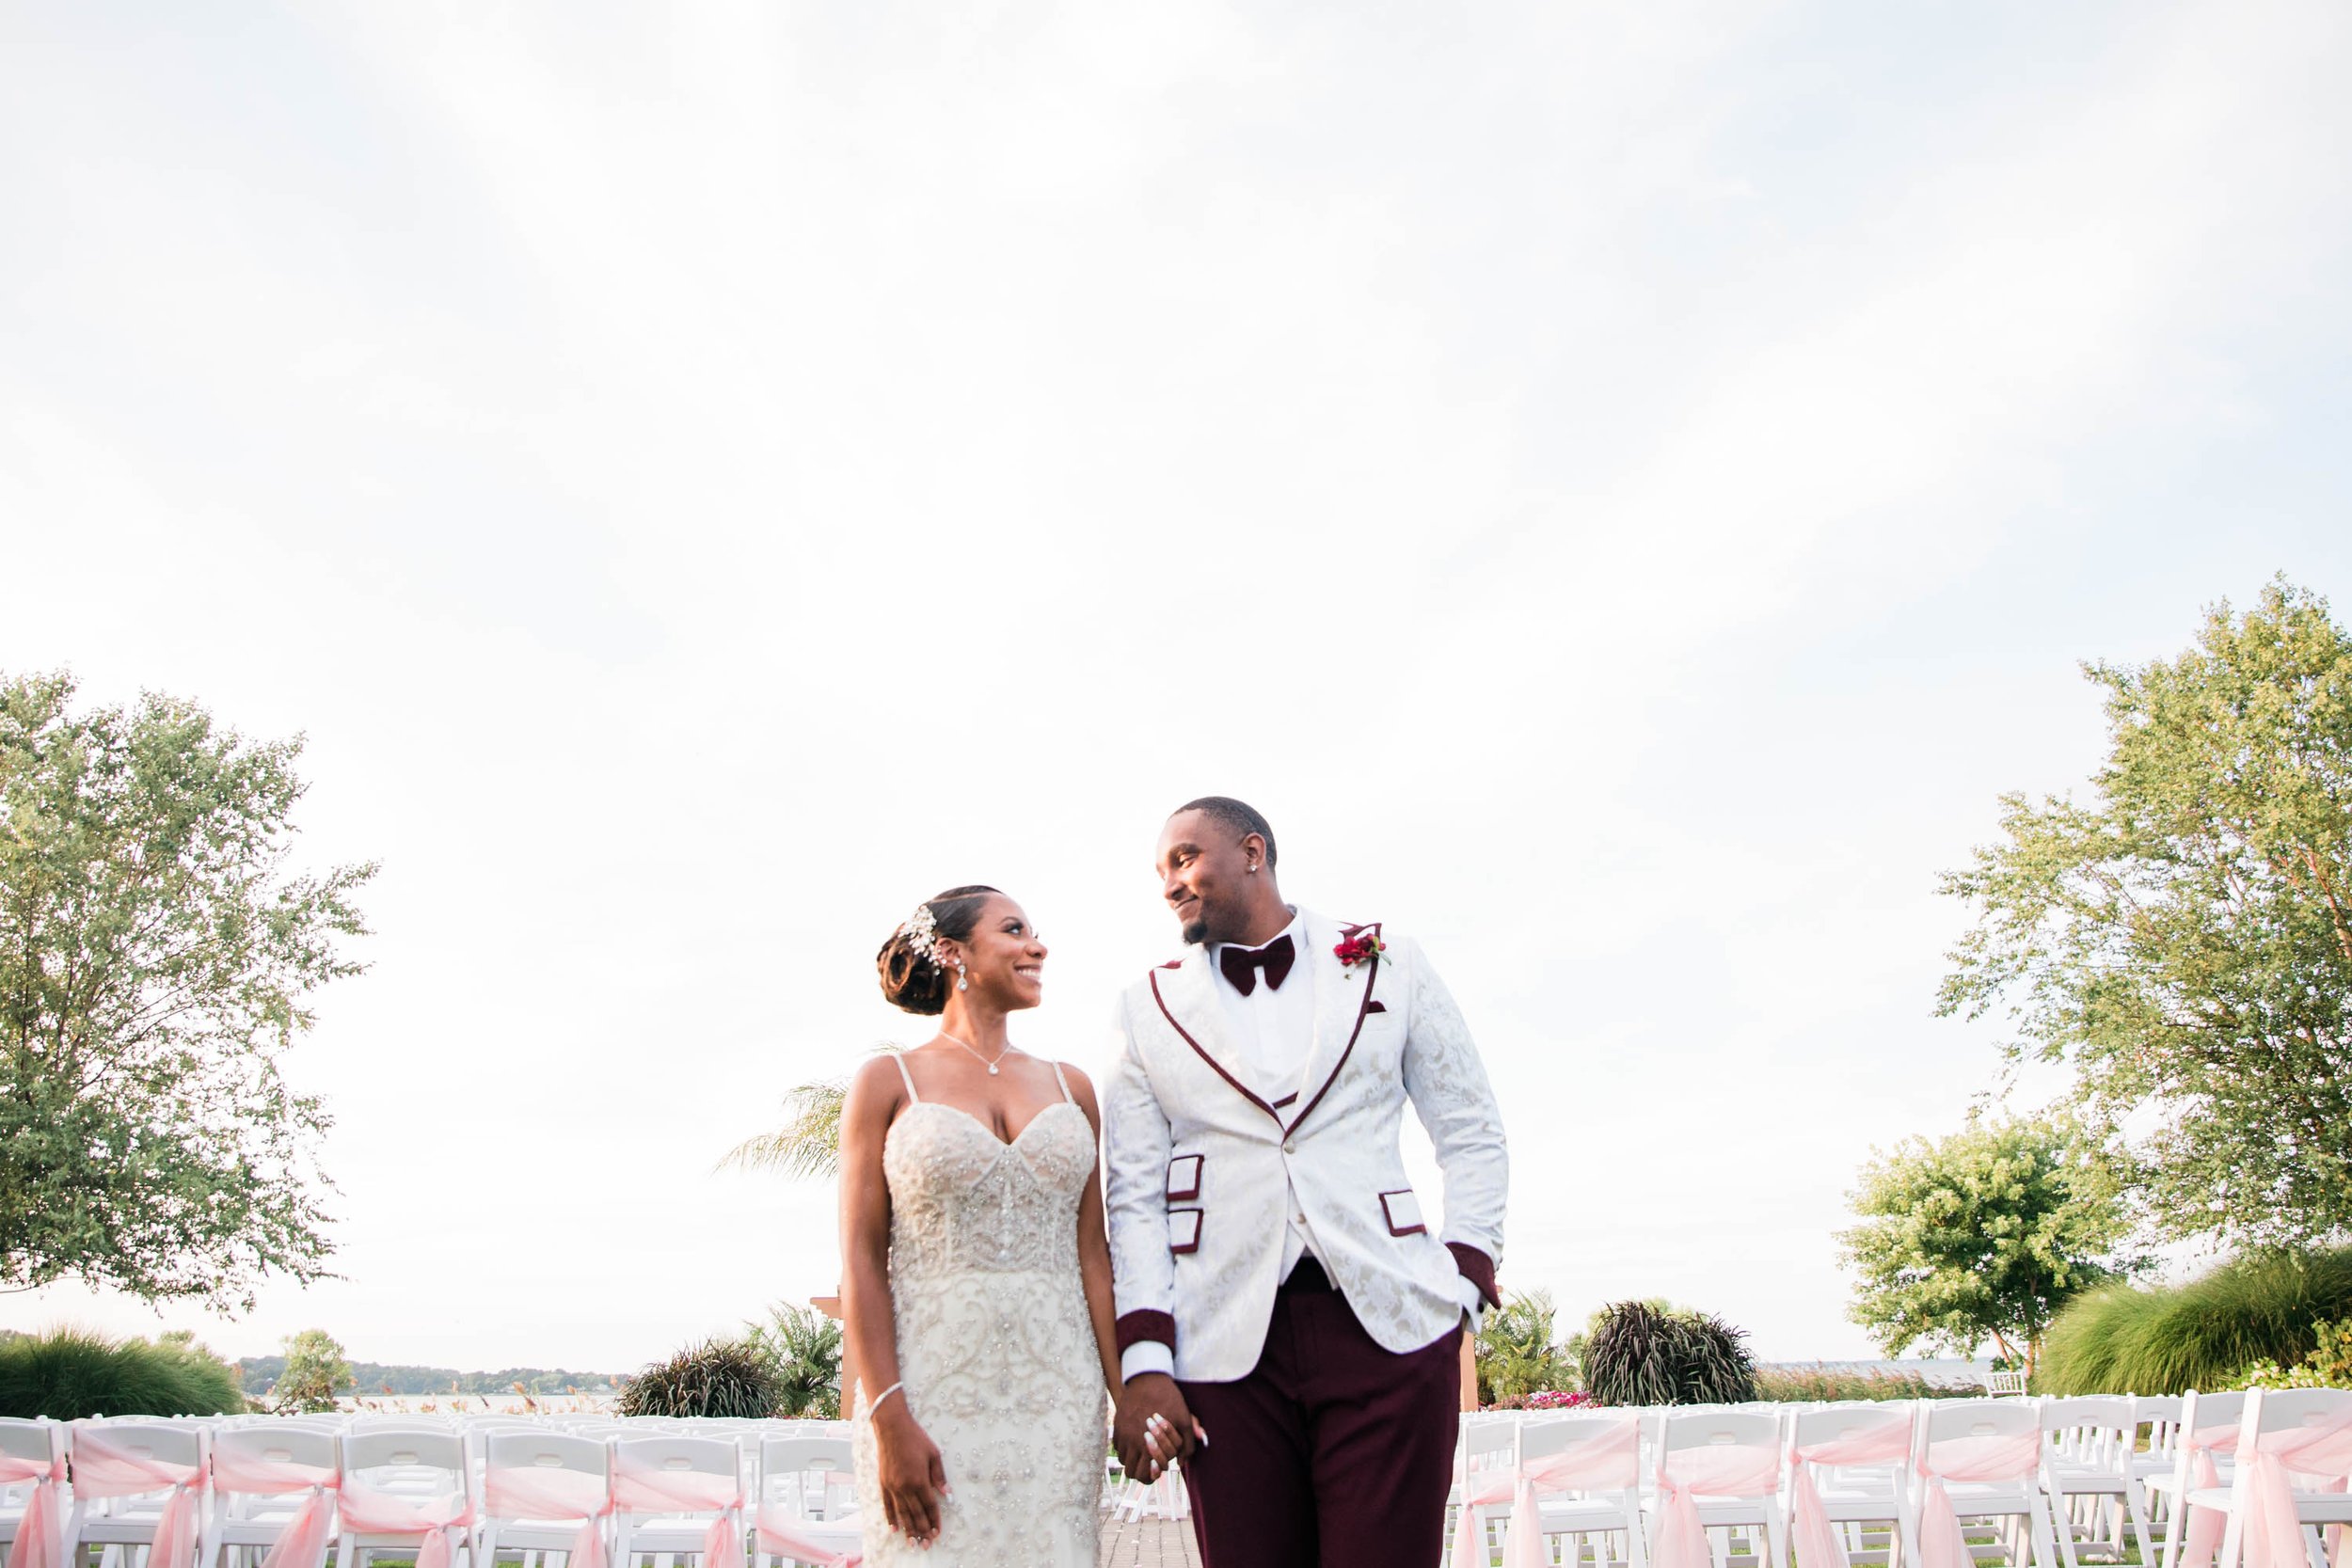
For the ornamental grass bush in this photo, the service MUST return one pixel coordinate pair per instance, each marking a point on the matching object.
(68, 1374)
(2207, 1333)
(1820, 1384)
(727, 1378)
(1639, 1353)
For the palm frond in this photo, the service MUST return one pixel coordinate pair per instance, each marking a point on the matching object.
(808, 1144)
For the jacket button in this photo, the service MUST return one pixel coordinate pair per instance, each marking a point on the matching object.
(1290, 1145)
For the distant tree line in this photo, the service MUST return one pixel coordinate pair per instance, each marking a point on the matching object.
(261, 1375)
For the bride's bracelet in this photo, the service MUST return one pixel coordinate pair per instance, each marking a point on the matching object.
(876, 1402)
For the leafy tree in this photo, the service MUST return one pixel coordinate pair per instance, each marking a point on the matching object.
(155, 955)
(2182, 940)
(803, 1346)
(1518, 1350)
(315, 1374)
(1983, 1235)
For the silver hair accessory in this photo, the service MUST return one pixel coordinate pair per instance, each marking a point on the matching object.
(921, 929)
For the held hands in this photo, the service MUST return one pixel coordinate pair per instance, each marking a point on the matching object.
(913, 1480)
(1153, 1427)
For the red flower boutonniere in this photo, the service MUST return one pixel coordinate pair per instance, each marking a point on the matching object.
(1365, 944)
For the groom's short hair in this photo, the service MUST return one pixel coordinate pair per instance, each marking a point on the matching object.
(1239, 816)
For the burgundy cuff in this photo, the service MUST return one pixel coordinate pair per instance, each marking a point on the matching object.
(1137, 1328)
(1476, 1267)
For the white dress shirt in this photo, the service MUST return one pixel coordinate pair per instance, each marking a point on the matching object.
(1273, 1031)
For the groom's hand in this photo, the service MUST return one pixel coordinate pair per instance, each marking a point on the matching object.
(1152, 1426)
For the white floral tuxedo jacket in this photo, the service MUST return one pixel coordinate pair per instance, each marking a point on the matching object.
(1200, 1168)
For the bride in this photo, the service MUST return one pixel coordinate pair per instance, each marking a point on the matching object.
(976, 1278)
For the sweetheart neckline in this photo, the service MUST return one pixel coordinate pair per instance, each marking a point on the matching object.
(1003, 1143)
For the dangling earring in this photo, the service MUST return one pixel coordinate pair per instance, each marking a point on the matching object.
(963, 981)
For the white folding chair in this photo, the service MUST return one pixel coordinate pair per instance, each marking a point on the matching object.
(264, 1477)
(401, 1486)
(1720, 1470)
(2204, 1451)
(669, 1491)
(2285, 1434)
(1985, 1457)
(2160, 1414)
(32, 1467)
(1485, 1454)
(1855, 1459)
(542, 1492)
(1586, 1470)
(805, 1501)
(120, 1516)
(2088, 1458)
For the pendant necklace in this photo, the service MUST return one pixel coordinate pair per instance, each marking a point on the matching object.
(1009, 1048)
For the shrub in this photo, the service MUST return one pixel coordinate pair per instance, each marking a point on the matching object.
(1544, 1399)
(2330, 1367)
(314, 1375)
(1639, 1353)
(717, 1377)
(1818, 1385)
(1519, 1353)
(69, 1373)
(803, 1346)
(2124, 1339)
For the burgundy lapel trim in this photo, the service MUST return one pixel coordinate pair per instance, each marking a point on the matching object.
(1371, 968)
(1219, 1067)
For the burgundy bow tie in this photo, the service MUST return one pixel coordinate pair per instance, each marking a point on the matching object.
(1241, 964)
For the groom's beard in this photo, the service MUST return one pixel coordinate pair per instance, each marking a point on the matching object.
(1195, 931)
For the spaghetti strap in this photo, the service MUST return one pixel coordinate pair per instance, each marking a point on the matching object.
(1064, 1082)
(912, 1097)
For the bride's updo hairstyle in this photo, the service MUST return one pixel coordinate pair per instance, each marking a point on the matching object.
(909, 978)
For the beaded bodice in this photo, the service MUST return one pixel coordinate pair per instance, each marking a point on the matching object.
(964, 1201)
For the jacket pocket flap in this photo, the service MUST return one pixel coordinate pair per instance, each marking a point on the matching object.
(1183, 1231)
(1183, 1175)
(1404, 1212)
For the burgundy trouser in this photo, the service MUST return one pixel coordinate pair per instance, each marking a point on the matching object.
(1333, 1451)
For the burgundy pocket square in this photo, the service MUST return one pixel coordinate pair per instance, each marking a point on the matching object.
(1376, 1006)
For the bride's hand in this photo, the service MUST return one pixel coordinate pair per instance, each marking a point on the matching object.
(913, 1480)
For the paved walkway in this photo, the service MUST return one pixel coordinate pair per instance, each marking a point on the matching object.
(1149, 1543)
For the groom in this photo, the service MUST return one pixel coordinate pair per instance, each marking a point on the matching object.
(1276, 1280)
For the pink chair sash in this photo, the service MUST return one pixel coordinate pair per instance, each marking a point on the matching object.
(104, 1467)
(372, 1510)
(1714, 1471)
(37, 1537)
(2274, 1535)
(1609, 1459)
(544, 1492)
(641, 1487)
(785, 1534)
(1809, 1528)
(2016, 1458)
(303, 1542)
(2204, 1536)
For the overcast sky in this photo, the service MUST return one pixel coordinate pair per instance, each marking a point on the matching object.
(1622, 487)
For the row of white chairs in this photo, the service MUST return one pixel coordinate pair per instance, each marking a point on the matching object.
(1836, 1485)
(228, 1493)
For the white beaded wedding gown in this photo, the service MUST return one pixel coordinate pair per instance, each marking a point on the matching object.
(996, 1349)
